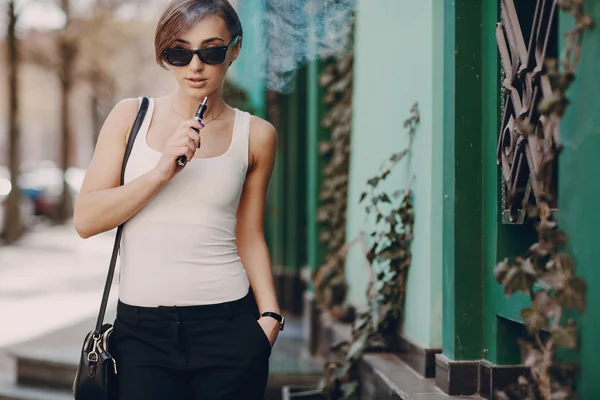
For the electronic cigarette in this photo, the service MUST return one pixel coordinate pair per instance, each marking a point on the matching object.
(181, 160)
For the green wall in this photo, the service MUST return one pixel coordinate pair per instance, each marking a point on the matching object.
(393, 70)
(579, 191)
(248, 71)
(462, 181)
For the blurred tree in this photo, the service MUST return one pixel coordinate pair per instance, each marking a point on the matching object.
(83, 51)
(13, 226)
(67, 49)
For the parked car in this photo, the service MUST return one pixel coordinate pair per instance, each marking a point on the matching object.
(41, 188)
(43, 183)
(27, 205)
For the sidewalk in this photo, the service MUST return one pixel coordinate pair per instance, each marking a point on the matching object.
(51, 279)
(50, 289)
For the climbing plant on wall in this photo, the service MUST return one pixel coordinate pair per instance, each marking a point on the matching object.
(387, 259)
(337, 82)
(545, 271)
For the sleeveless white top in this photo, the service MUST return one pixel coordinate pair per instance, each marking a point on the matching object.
(179, 249)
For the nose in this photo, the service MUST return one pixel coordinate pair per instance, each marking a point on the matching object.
(196, 64)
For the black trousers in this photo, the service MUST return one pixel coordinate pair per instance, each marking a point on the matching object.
(207, 352)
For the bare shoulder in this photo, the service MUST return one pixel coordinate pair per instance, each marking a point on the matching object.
(262, 132)
(122, 116)
(263, 142)
(127, 106)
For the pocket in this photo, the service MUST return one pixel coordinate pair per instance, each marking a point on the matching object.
(263, 336)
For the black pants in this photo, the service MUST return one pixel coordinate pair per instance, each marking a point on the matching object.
(207, 352)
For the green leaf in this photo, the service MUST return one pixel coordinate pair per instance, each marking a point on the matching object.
(385, 198)
(363, 195)
(566, 336)
(379, 217)
(533, 320)
(573, 295)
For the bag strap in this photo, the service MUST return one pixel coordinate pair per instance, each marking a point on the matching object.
(113, 259)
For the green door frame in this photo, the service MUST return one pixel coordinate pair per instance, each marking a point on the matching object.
(479, 320)
(462, 205)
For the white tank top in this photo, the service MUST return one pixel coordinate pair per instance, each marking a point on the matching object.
(179, 249)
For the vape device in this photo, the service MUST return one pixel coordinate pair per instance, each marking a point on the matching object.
(181, 160)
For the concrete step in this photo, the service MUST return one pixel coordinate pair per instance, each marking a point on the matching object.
(10, 390)
(51, 360)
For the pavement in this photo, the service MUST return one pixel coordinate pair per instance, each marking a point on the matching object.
(51, 283)
(51, 279)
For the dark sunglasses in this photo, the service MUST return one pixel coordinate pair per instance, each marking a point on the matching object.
(180, 57)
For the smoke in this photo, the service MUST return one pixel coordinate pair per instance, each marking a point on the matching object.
(300, 31)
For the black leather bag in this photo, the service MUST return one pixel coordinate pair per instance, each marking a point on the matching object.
(96, 377)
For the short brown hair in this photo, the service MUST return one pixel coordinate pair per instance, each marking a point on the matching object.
(181, 15)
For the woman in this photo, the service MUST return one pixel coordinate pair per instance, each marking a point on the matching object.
(193, 243)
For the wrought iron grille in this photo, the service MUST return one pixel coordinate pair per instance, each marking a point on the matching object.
(525, 131)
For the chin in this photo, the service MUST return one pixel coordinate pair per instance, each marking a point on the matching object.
(194, 92)
(198, 93)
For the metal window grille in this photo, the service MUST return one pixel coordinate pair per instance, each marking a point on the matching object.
(525, 85)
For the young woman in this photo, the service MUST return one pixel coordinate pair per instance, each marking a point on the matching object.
(188, 325)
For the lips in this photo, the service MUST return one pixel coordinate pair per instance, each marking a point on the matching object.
(196, 82)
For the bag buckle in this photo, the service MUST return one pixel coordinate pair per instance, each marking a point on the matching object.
(93, 355)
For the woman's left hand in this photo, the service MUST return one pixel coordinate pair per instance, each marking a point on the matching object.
(271, 328)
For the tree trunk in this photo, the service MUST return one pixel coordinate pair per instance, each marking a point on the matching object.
(13, 226)
(64, 208)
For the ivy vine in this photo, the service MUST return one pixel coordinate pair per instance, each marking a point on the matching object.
(337, 81)
(545, 272)
(388, 260)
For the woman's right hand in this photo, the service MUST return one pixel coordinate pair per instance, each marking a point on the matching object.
(184, 142)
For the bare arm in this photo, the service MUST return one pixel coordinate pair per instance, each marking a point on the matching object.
(102, 203)
(250, 236)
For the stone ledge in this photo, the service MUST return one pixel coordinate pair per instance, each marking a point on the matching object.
(385, 376)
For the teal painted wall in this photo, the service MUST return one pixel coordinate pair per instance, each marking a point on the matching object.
(579, 190)
(248, 71)
(399, 62)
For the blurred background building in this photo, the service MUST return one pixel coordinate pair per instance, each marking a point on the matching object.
(338, 79)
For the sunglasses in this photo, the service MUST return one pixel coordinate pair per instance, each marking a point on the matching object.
(180, 57)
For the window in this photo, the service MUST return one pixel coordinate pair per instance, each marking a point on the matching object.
(525, 85)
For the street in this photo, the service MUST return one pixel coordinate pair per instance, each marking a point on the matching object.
(50, 279)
